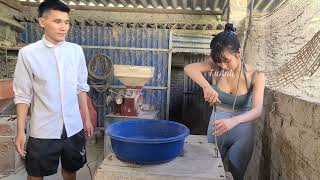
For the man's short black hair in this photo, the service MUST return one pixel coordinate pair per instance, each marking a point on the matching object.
(48, 5)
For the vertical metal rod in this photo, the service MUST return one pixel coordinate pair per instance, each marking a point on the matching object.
(169, 74)
(216, 148)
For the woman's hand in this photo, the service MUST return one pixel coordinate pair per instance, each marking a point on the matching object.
(210, 95)
(222, 126)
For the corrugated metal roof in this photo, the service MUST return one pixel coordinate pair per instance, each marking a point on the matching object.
(161, 4)
(261, 6)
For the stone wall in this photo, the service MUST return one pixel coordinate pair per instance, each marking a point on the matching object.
(9, 27)
(10, 161)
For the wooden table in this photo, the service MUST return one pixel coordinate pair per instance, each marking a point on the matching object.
(197, 162)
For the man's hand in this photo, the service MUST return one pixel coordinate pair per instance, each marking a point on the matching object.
(222, 126)
(88, 128)
(20, 141)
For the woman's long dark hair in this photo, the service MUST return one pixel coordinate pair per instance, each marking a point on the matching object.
(226, 40)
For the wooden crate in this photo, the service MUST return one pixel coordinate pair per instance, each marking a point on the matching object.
(198, 161)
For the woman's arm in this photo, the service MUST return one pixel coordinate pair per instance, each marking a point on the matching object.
(257, 101)
(224, 125)
(195, 70)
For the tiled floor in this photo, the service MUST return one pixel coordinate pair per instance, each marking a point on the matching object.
(94, 157)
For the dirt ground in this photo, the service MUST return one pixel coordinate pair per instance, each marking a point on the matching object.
(94, 158)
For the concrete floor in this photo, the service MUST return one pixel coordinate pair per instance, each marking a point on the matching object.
(94, 158)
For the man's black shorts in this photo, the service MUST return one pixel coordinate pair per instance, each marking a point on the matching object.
(42, 158)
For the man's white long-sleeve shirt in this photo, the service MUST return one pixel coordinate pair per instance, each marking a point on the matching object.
(48, 77)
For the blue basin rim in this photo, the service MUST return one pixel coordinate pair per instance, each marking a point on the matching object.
(182, 136)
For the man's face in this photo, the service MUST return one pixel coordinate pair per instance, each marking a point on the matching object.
(56, 25)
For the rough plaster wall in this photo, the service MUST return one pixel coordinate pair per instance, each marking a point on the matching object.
(259, 165)
(277, 37)
(287, 140)
(287, 135)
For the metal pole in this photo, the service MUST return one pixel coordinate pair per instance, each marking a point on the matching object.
(169, 74)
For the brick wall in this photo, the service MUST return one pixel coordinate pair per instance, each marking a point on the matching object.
(10, 161)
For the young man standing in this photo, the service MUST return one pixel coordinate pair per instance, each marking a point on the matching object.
(51, 79)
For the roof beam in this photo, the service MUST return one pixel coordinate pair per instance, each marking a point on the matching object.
(115, 4)
(185, 4)
(224, 4)
(104, 2)
(84, 2)
(144, 3)
(194, 4)
(133, 2)
(124, 3)
(204, 4)
(164, 4)
(135, 10)
(154, 3)
(174, 4)
(13, 4)
(73, 1)
(94, 2)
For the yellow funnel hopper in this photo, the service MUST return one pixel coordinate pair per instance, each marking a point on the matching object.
(133, 75)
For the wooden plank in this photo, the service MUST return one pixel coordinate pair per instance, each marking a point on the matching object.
(196, 33)
(190, 50)
(196, 162)
(190, 45)
(183, 39)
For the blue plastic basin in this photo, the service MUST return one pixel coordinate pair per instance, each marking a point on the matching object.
(147, 141)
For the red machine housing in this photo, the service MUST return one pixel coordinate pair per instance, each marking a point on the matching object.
(131, 102)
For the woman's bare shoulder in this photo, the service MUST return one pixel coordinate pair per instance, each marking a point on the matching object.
(254, 73)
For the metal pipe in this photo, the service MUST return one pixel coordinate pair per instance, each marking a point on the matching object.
(124, 48)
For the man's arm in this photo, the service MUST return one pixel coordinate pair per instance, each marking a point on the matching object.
(22, 110)
(23, 93)
(82, 98)
(82, 89)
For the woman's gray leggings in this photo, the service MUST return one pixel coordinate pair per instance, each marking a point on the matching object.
(238, 143)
